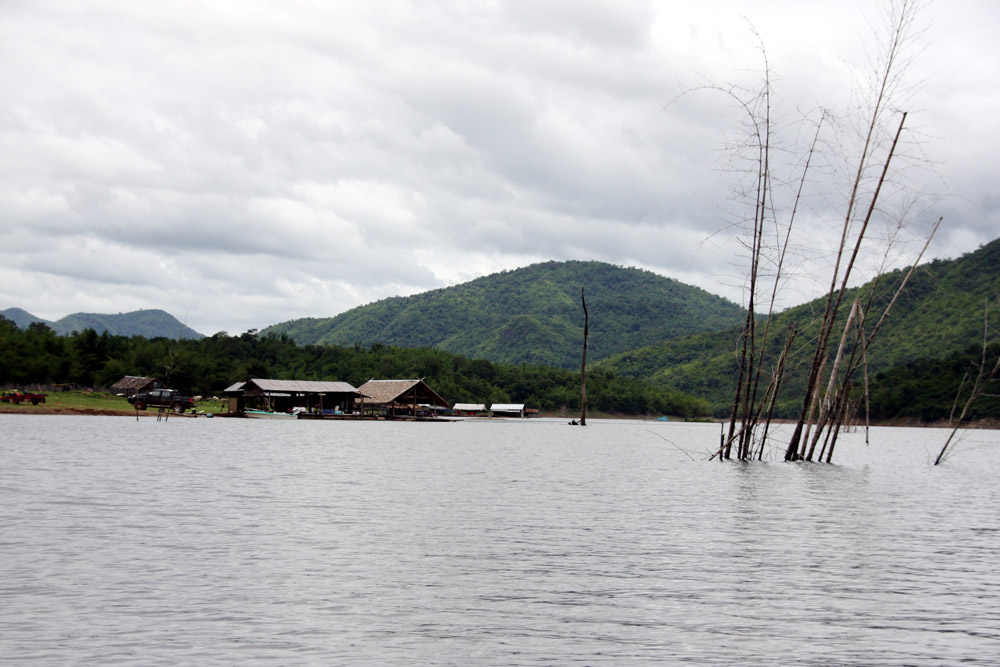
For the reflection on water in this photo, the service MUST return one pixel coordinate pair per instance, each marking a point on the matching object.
(488, 542)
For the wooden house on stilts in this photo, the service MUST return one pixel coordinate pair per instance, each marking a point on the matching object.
(317, 397)
(400, 399)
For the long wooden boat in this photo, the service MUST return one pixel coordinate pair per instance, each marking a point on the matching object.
(264, 414)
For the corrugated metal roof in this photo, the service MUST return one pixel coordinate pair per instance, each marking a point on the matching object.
(507, 407)
(236, 387)
(469, 406)
(304, 386)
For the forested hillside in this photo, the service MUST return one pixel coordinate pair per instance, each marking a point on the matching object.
(938, 315)
(929, 344)
(149, 323)
(531, 315)
(37, 356)
(926, 389)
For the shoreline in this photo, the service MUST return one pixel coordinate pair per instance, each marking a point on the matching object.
(91, 412)
(42, 409)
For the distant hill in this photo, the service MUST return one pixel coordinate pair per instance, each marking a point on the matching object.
(22, 318)
(940, 313)
(530, 315)
(146, 323)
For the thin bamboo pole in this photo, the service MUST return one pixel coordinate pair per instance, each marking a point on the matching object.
(825, 403)
(835, 296)
(779, 374)
(865, 341)
(583, 361)
(886, 79)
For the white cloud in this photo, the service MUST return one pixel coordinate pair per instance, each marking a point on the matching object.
(245, 163)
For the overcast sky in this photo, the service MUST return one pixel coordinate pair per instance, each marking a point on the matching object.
(241, 163)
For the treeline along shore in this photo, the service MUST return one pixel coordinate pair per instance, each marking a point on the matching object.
(921, 392)
(36, 356)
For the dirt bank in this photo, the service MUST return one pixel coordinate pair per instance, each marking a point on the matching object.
(96, 412)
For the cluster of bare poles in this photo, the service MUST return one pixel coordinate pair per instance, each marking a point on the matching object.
(834, 370)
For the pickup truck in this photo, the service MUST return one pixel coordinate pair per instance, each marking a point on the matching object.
(162, 398)
(17, 397)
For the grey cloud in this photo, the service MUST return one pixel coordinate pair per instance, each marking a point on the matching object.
(608, 23)
(307, 159)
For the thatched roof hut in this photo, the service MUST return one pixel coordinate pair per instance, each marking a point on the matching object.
(130, 385)
(395, 397)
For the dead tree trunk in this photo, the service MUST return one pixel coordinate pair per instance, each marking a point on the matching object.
(835, 295)
(827, 400)
(583, 361)
(888, 77)
(862, 341)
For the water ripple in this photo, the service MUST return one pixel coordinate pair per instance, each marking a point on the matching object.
(514, 543)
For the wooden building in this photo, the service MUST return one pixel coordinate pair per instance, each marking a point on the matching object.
(317, 397)
(130, 385)
(400, 398)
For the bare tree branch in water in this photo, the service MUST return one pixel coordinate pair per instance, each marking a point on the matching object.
(983, 379)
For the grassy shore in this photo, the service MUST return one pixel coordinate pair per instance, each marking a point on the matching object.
(106, 403)
(92, 403)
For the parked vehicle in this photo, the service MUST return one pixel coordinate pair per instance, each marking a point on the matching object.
(22, 397)
(162, 398)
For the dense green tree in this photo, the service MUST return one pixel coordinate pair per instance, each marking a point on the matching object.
(929, 389)
(209, 365)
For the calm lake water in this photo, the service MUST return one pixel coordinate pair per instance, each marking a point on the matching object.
(202, 541)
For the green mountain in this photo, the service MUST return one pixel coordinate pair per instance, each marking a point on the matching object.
(146, 323)
(939, 314)
(531, 315)
(22, 318)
